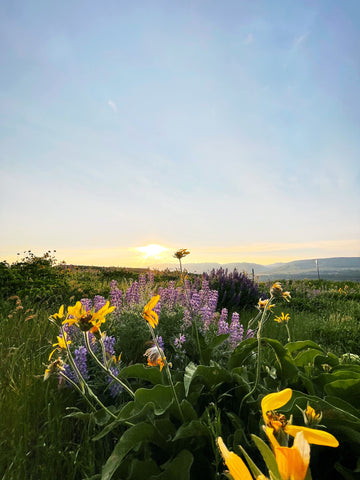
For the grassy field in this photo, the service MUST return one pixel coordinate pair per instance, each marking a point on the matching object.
(37, 439)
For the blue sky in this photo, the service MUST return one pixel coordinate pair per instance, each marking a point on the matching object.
(229, 128)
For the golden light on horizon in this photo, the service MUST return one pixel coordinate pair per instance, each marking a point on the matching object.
(152, 250)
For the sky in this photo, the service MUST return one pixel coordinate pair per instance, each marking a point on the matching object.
(228, 128)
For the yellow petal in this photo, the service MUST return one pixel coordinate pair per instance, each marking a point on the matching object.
(317, 437)
(52, 353)
(293, 462)
(235, 464)
(154, 300)
(273, 401)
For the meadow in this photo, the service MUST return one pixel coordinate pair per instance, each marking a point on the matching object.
(163, 364)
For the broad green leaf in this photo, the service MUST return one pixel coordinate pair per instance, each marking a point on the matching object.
(188, 376)
(152, 374)
(216, 342)
(288, 369)
(176, 469)
(306, 357)
(160, 395)
(241, 352)
(301, 345)
(268, 456)
(348, 389)
(140, 470)
(193, 429)
(139, 433)
(188, 410)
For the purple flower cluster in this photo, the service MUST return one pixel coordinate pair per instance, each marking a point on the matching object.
(235, 329)
(132, 294)
(99, 302)
(170, 296)
(116, 296)
(86, 303)
(80, 359)
(109, 344)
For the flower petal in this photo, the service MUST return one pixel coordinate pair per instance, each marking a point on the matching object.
(273, 401)
(235, 464)
(317, 437)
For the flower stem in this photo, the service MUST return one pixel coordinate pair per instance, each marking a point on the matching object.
(167, 369)
(105, 368)
(288, 332)
(263, 319)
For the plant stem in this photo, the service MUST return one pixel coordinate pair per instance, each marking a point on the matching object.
(258, 337)
(192, 314)
(288, 332)
(167, 369)
(105, 368)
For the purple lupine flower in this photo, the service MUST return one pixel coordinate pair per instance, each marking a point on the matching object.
(142, 282)
(114, 388)
(80, 359)
(160, 342)
(236, 330)
(99, 302)
(109, 343)
(151, 276)
(86, 303)
(132, 294)
(206, 316)
(116, 296)
(223, 324)
(249, 334)
(178, 342)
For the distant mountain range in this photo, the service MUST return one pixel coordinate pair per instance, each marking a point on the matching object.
(335, 268)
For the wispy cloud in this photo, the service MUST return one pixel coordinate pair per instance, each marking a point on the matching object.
(112, 105)
(300, 40)
(249, 39)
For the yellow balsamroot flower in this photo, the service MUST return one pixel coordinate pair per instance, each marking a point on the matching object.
(278, 423)
(277, 291)
(86, 319)
(154, 357)
(263, 303)
(237, 468)
(282, 318)
(60, 314)
(181, 253)
(61, 345)
(148, 313)
(55, 367)
(310, 416)
(293, 462)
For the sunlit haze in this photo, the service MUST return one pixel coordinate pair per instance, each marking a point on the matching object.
(133, 129)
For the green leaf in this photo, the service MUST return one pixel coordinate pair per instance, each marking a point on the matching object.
(288, 369)
(188, 410)
(211, 375)
(151, 374)
(161, 396)
(139, 433)
(193, 429)
(348, 389)
(140, 470)
(216, 342)
(241, 352)
(301, 345)
(176, 469)
(307, 357)
(268, 456)
(188, 376)
(254, 469)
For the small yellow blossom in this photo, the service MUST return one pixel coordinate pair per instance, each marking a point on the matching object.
(277, 291)
(181, 253)
(310, 416)
(60, 314)
(280, 426)
(155, 357)
(282, 318)
(149, 314)
(264, 303)
(61, 345)
(55, 367)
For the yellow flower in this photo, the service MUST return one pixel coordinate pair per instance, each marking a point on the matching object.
(293, 462)
(60, 313)
(181, 253)
(61, 345)
(155, 357)
(150, 316)
(278, 423)
(235, 464)
(282, 318)
(310, 416)
(54, 367)
(277, 291)
(263, 303)
(85, 319)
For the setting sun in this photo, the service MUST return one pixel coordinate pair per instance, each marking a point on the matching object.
(152, 250)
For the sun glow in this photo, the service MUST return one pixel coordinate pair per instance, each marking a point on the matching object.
(152, 250)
